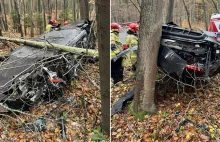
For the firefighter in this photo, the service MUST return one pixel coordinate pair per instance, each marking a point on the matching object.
(51, 24)
(132, 40)
(116, 47)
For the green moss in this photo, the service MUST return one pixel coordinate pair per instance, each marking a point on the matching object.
(138, 115)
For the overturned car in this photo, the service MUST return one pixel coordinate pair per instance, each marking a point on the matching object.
(31, 75)
(186, 54)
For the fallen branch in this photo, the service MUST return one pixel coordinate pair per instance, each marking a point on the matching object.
(70, 49)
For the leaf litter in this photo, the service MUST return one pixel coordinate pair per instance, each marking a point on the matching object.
(182, 116)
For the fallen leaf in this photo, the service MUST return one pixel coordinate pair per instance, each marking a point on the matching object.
(204, 137)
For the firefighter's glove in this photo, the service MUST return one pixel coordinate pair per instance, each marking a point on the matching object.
(113, 47)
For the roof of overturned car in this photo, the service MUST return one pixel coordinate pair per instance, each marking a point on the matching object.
(29, 62)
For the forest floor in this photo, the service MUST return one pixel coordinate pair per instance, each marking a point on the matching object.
(182, 116)
(81, 112)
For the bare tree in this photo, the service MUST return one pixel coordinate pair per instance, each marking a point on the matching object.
(5, 18)
(18, 19)
(103, 20)
(44, 14)
(56, 9)
(84, 9)
(31, 18)
(170, 11)
(74, 10)
(187, 13)
(150, 32)
(205, 15)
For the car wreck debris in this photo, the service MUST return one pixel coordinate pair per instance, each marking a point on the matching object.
(184, 54)
(36, 126)
(31, 75)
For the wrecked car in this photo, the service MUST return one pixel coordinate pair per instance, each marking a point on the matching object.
(32, 75)
(186, 54)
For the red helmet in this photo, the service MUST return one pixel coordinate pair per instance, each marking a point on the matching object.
(53, 21)
(66, 23)
(133, 27)
(115, 27)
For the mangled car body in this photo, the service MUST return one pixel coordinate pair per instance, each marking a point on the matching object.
(186, 54)
(31, 75)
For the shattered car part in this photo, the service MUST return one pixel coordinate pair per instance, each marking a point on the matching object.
(36, 126)
(32, 75)
(117, 107)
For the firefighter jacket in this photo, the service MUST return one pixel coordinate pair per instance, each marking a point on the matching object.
(132, 40)
(116, 43)
(48, 27)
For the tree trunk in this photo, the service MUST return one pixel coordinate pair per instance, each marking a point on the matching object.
(18, 17)
(74, 10)
(48, 6)
(170, 11)
(6, 21)
(56, 9)
(64, 9)
(31, 18)
(205, 15)
(149, 42)
(12, 20)
(24, 12)
(70, 49)
(77, 10)
(84, 9)
(39, 6)
(44, 15)
(187, 13)
(103, 20)
(1, 19)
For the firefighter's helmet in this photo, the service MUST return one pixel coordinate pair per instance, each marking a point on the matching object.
(53, 21)
(115, 27)
(133, 27)
(66, 23)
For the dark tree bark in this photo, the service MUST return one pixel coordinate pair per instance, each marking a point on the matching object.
(18, 18)
(170, 11)
(84, 9)
(187, 13)
(103, 20)
(149, 42)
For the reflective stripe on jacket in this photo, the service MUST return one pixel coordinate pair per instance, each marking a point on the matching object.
(132, 40)
(114, 53)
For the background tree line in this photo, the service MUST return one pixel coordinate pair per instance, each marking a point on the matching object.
(29, 17)
(199, 11)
